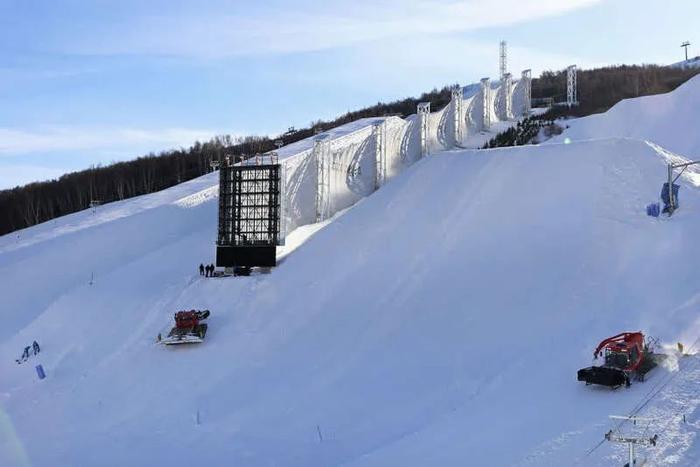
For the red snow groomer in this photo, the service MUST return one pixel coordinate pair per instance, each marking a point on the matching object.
(626, 356)
(188, 329)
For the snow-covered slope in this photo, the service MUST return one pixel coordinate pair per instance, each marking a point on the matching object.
(693, 62)
(438, 322)
(670, 120)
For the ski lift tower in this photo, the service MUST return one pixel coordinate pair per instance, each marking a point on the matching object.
(571, 92)
(631, 441)
(685, 45)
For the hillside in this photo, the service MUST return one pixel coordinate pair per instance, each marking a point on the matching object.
(438, 321)
(669, 120)
(431, 361)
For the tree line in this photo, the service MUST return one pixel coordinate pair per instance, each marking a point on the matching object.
(38, 202)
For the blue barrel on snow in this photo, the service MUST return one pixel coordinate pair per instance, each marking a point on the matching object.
(653, 210)
(40, 372)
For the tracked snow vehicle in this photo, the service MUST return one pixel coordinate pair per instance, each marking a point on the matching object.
(188, 328)
(626, 356)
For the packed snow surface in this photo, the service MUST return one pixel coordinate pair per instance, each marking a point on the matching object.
(445, 313)
(439, 321)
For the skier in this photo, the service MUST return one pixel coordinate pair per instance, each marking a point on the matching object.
(35, 347)
(201, 269)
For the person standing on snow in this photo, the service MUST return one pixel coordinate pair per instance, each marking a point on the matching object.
(35, 347)
(211, 269)
(201, 269)
(25, 354)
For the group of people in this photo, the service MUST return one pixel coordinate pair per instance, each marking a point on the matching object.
(25, 355)
(206, 271)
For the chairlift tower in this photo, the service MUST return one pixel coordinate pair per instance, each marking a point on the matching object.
(379, 130)
(685, 45)
(457, 103)
(503, 60)
(321, 154)
(631, 441)
(571, 92)
(486, 108)
(423, 113)
(527, 84)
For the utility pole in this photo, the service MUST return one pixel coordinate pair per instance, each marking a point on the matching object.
(685, 46)
(630, 441)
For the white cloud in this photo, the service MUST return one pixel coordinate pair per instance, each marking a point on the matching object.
(15, 142)
(307, 28)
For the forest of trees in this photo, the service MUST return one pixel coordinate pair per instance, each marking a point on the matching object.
(21, 207)
(523, 133)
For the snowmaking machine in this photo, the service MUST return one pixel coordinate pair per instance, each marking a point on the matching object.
(188, 328)
(626, 356)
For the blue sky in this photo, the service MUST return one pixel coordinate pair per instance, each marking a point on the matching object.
(83, 83)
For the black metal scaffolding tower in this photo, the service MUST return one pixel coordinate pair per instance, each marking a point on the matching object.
(249, 214)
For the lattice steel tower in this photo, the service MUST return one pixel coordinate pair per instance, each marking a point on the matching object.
(507, 83)
(379, 131)
(486, 109)
(423, 113)
(322, 153)
(457, 102)
(503, 62)
(571, 92)
(527, 89)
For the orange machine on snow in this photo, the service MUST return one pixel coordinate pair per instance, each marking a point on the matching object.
(626, 355)
(188, 328)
